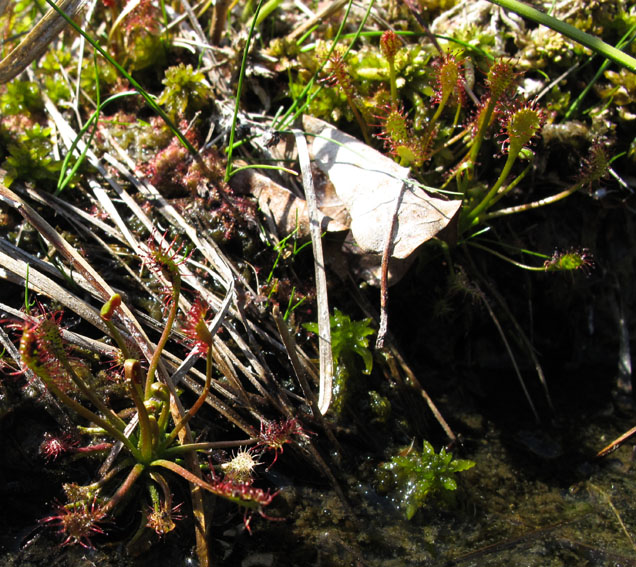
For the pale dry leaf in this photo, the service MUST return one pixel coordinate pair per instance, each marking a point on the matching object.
(325, 353)
(328, 201)
(369, 183)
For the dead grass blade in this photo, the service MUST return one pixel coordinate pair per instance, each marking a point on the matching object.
(320, 16)
(324, 328)
(76, 261)
(37, 40)
(40, 283)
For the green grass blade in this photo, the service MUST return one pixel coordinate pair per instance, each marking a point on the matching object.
(592, 42)
(147, 97)
(239, 90)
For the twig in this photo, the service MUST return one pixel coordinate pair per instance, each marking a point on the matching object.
(522, 336)
(219, 18)
(37, 40)
(384, 276)
(511, 355)
(616, 443)
(317, 19)
(415, 383)
(593, 488)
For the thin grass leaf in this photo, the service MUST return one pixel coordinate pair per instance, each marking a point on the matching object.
(592, 42)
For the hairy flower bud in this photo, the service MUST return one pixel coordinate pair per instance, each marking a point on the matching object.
(196, 328)
(571, 260)
(44, 351)
(390, 44)
(596, 165)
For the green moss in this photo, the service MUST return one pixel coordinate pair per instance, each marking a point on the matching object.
(56, 82)
(328, 104)
(108, 79)
(21, 17)
(57, 90)
(21, 97)
(142, 140)
(622, 88)
(349, 338)
(415, 476)
(186, 91)
(145, 50)
(380, 407)
(29, 157)
(349, 345)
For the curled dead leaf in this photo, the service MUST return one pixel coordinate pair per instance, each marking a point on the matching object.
(369, 184)
(358, 188)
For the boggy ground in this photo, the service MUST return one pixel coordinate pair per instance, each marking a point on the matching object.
(537, 495)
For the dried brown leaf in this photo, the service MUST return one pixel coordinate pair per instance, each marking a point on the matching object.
(369, 183)
(288, 211)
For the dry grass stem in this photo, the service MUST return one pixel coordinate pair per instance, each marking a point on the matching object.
(37, 40)
(324, 328)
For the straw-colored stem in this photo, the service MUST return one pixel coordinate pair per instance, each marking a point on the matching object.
(163, 340)
(534, 204)
(197, 405)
